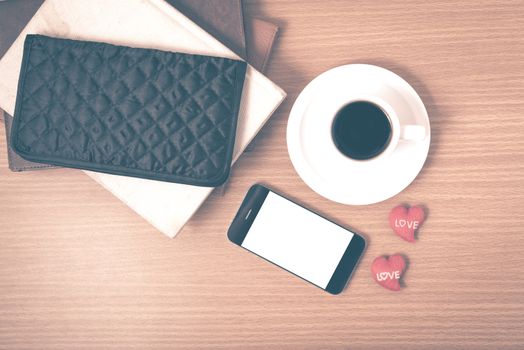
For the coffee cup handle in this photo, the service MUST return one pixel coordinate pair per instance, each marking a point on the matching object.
(413, 133)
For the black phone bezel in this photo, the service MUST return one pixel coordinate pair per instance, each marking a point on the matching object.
(247, 213)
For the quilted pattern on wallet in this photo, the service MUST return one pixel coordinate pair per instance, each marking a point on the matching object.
(138, 112)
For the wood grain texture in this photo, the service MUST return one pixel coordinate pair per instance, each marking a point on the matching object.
(78, 269)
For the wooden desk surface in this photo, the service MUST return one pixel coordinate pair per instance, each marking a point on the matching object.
(78, 269)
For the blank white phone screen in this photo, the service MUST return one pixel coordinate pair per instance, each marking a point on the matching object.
(297, 239)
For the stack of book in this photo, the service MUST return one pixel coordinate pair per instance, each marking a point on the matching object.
(206, 27)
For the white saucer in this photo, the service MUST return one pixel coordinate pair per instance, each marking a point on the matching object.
(315, 156)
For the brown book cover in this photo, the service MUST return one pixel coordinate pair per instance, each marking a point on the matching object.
(221, 18)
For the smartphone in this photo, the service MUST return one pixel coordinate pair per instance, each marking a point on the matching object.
(296, 239)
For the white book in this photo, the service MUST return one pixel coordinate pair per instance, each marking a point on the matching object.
(145, 24)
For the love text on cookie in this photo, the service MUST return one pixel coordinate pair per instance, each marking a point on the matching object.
(403, 223)
(382, 276)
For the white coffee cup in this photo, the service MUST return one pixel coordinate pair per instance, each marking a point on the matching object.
(401, 130)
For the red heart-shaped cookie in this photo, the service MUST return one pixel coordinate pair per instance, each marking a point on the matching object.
(405, 221)
(388, 271)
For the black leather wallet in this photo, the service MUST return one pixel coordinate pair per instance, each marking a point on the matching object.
(137, 112)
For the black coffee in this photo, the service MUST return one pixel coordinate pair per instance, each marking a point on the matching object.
(361, 130)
